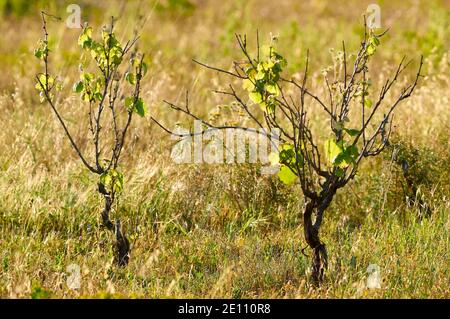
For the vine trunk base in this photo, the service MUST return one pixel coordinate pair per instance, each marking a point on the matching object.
(319, 257)
(122, 245)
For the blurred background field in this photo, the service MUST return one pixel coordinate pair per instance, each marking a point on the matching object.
(219, 230)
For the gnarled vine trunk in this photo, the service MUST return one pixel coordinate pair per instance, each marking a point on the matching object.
(319, 257)
(311, 231)
(122, 245)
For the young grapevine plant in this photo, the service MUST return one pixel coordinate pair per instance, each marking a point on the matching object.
(352, 107)
(110, 90)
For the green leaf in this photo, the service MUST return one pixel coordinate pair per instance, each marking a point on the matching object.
(269, 107)
(333, 149)
(347, 157)
(340, 155)
(38, 85)
(374, 40)
(88, 77)
(129, 102)
(351, 131)
(337, 125)
(273, 89)
(352, 150)
(140, 107)
(98, 96)
(38, 53)
(43, 80)
(97, 51)
(287, 154)
(131, 78)
(248, 85)
(85, 38)
(339, 172)
(115, 55)
(144, 68)
(251, 73)
(266, 50)
(371, 49)
(112, 180)
(117, 179)
(342, 160)
(261, 73)
(256, 97)
(105, 179)
(85, 97)
(135, 62)
(105, 34)
(368, 103)
(358, 93)
(78, 87)
(286, 175)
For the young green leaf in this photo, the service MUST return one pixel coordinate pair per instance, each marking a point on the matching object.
(42, 82)
(131, 78)
(352, 132)
(256, 97)
(248, 85)
(286, 175)
(140, 108)
(273, 89)
(85, 38)
(129, 102)
(333, 149)
(78, 87)
(371, 49)
(144, 68)
(112, 180)
(38, 53)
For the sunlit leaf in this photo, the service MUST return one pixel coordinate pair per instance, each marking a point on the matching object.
(256, 97)
(112, 180)
(371, 48)
(129, 102)
(248, 85)
(85, 38)
(273, 89)
(286, 175)
(333, 149)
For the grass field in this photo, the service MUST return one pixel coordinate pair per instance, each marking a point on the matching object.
(200, 230)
